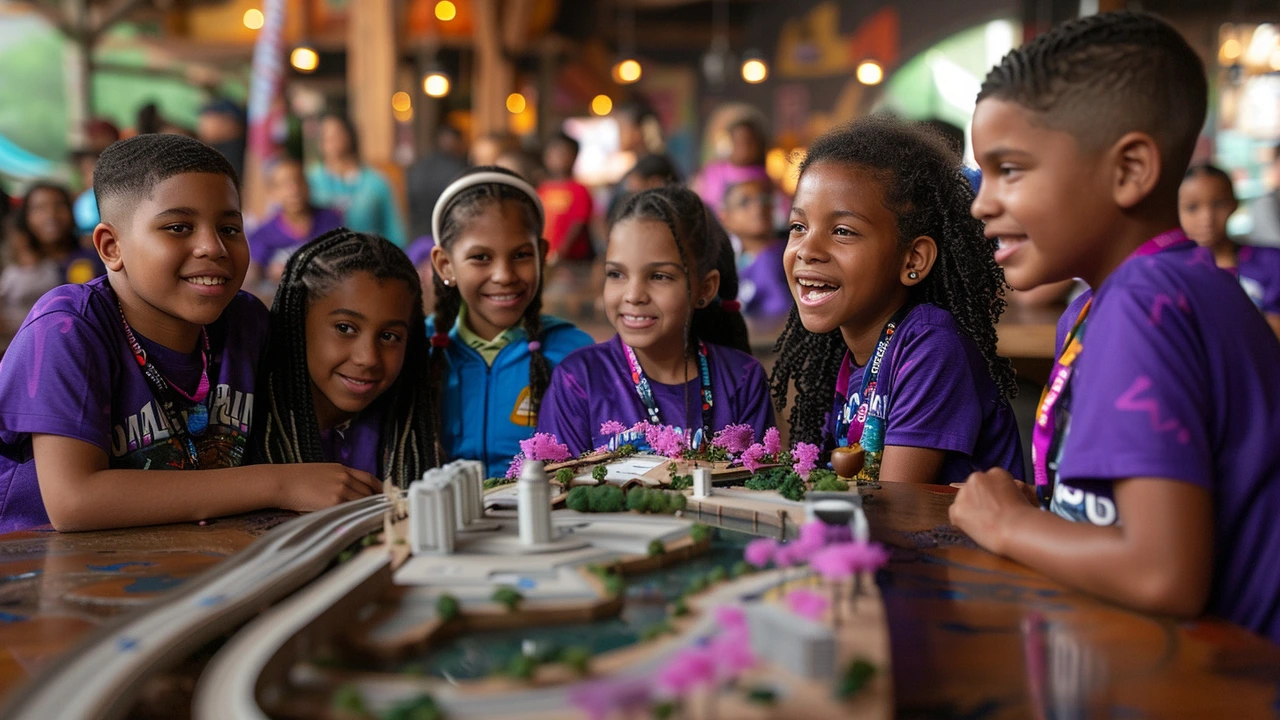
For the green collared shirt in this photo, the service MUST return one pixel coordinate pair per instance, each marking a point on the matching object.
(488, 349)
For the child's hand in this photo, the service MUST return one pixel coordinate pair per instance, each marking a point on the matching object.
(983, 505)
(314, 486)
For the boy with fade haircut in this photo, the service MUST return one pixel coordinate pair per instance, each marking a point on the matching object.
(1154, 447)
(150, 367)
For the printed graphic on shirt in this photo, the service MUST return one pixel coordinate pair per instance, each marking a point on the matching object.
(522, 414)
(1078, 505)
(145, 440)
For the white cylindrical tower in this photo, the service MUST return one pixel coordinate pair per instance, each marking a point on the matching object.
(701, 482)
(534, 504)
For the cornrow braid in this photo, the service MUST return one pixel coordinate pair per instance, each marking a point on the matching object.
(1103, 75)
(925, 189)
(457, 214)
(408, 444)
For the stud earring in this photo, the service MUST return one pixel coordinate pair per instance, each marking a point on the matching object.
(913, 275)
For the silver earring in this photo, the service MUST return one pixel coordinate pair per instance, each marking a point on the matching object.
(913, 275)
(446, 282)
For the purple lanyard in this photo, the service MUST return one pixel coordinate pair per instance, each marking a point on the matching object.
(1046, 437)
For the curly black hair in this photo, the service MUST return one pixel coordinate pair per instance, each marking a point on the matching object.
(460, 211)
(291, 434)
(1101, 76)
(924, 187)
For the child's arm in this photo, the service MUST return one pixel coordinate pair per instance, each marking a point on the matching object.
(902, 463)
(81, 493)
(1159, 559)
(1273, 320)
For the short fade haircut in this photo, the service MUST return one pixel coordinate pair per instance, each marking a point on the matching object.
(129, 170)
(1105, 75)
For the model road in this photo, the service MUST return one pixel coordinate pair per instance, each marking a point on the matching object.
(102, 677)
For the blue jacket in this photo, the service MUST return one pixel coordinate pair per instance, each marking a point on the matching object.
(484, 410)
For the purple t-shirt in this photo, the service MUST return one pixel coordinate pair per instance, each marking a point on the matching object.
(1258, 270)
(592, 385)
(357, 444)
(69, 371)
(275, 236)
(938, 393)
(1177, 379)
(762, 284)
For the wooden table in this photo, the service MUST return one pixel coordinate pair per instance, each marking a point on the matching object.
(973, 635)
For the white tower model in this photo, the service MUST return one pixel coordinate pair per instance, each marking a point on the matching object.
(534, 504)
(432, 514)
(701, 482)
(467, 479)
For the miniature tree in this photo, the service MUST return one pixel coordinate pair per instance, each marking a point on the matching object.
(792, 487)
(762, 695)
(855, 678)
(348, 700)
(507, 596)
(699, 533)
(447, 607)
(599, 473)
(577, 499)
(830, 484)
(716, 575)
(614, 584)
(636, 499)
(564, 476)
(739, 569)
(577, 658)
(656, 548)
(522, 667)
(606, 499)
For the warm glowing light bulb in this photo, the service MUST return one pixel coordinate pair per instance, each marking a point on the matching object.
(601, 105)
(627, 71)
(516, 103)
(755, 71)
(436, 85)
(253, 19)
(1231, 49)
(446, 11)
(401, 102)
(870, 73)
(304, 59)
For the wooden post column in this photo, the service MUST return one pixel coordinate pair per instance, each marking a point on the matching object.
(371, 77)
(493, 75)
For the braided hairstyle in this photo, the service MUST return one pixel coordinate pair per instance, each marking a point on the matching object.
(924, 187)
(455, 216)
(292, 433)
(703, 246)
(1101, 76)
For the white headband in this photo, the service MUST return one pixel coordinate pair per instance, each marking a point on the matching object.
(483, 178)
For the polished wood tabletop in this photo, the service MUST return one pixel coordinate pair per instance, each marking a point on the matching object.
(973, 635)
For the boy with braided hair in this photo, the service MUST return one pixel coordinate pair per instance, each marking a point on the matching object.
(1154, 447)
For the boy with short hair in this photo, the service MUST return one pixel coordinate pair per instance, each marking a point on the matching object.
(567, 202)
(150, 367)
(1154, 443)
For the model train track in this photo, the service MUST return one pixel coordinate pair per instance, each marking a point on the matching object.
(103, 676)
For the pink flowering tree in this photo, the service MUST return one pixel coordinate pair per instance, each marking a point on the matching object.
(772, 442)
(753, 458)
(805, 457)
(611, 428)
(760, 552)
(735, 439)
(807, 604)
(832, 563)
(542, 447)
(666, 440)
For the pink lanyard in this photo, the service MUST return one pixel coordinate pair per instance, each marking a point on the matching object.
(1046, 437)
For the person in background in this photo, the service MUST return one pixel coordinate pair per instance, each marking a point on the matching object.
(747, 144)
(488, 148)
(358, 191)
(431, 174)
(221, 126)
(1205, 200)
(296, 222)
(520, 162)
(27, 275)
(46, 216)
(1265, 211)
(747, 214)
(567, 203)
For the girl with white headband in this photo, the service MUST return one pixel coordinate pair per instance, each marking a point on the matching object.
(492, 349)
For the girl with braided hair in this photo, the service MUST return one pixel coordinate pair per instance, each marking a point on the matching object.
(897, 296)
(492, 349)
(681, 353)
(346, 361)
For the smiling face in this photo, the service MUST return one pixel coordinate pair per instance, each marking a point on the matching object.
(1204, 204)
(843, 257)
(494, 263)
(178, 257)
(357, 335)
(748, 211)
(49, 216)
(646, 288)
(1043, 197)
